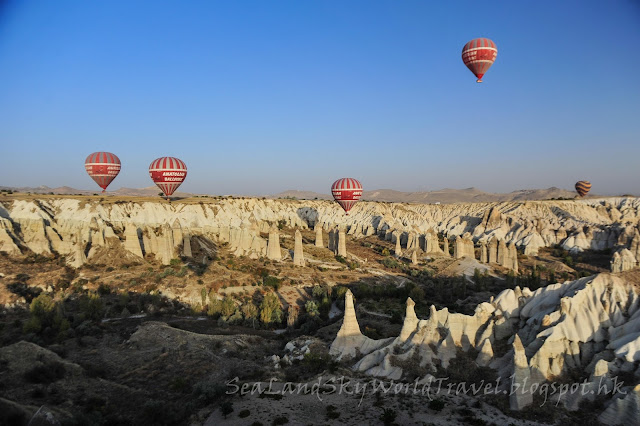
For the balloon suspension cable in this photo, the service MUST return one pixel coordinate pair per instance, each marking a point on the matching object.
(103, 191)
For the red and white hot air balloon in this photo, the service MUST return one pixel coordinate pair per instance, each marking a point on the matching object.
(347, 192)
(103, 167)
(478, 55)
(168, 173)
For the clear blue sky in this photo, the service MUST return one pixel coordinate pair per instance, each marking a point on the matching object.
(263, 96)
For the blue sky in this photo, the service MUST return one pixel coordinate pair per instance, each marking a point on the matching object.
(263, 96)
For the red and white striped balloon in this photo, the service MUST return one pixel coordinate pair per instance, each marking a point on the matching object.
(347, 192)
(168, 173)
(103, 167)
(478, 55)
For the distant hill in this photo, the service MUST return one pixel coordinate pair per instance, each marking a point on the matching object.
(447, 195)
(149, 191)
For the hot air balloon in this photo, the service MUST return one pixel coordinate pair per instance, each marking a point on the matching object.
(103, 167)
(168, 173)
(583, 187)
(347, 192)
(478, 55)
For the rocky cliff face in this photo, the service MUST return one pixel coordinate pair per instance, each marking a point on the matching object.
(590, 326)
(69, 226)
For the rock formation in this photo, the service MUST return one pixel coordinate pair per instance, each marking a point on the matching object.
(273, 247)
(484, 258)
(521, 397)
(350, 341)
(590, 324)
(446, 247)
(132, 240)
(431, 243)
(318, 230)
(333, 240)
(298, 256)
(493, 251)
(414, 258)
(463, 247)
(166, 247)
(622, 260)
(342, 243)
(398, 250)
(186, 245)
(49, 225)
(624, 410)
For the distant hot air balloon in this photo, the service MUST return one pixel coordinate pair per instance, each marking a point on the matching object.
(478, 55)
(103, 167)
(168, 173)
(583, 187)
(347, 192)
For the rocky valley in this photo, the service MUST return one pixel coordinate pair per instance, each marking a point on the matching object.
(134, 310)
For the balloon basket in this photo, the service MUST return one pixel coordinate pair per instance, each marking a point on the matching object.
(479, 80)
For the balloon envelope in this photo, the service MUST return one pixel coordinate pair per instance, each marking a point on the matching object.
(347, 192)
(478, 55)
(168, 173)
(583, 187)
(103, 167)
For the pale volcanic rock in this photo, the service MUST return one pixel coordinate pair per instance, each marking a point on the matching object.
(342, 243)
(493, 251)
(577, 242)
(597, 380)
(431, 243)
(165, 245)
(557, 328)
(7, 245)
(318, 242)
(624, 410)
(446, 247)
(634, 245)
(502, 253)
(273, 247)
(532, 243)
(57, 244)
(398, 250)
(520, 398)
(622, 260)
(484, 258)
(511, 257)
(524, 224)
(186, 245)
(132, 240)
(35, 237)
(485, 356)
(350, 341)
(298, 255)
(467, 245)
(78, 257)
(410, 321)
(414, 258)
(178, 237)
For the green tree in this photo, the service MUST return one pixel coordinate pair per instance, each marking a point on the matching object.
(270, 310)
(250, 312)
(228, 307)
(312, 308)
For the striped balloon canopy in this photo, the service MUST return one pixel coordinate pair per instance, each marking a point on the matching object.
(478, 55)
(168, 173)
(347, 192)
(103, 167)
(583, 187)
